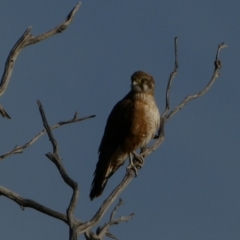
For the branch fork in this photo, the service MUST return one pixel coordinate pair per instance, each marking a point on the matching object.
(25, 40)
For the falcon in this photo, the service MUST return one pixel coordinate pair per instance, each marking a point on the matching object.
(131, 124)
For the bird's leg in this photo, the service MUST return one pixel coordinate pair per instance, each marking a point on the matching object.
(138, 157)
(131, 164)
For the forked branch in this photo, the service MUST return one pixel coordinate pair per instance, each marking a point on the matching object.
(103, 231)
(54, 157)
(20, 149)
(166, 116)
(25, 40)
(216, 74)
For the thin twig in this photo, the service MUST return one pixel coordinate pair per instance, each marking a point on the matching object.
(61, 27)
(19, 149)
(166, 117)
(215, 75)
(103, 231)
(171, 77)
(120, 202)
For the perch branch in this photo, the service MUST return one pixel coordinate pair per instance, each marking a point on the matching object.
(23, 202)
(130, 174)
(19, 149)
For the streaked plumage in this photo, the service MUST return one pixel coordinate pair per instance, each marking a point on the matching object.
(131, 124)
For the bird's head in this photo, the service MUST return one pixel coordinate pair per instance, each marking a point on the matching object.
(142, 83)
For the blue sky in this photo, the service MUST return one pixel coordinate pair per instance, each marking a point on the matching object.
(189, 187)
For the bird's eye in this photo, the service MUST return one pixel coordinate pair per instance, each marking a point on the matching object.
(144, 80)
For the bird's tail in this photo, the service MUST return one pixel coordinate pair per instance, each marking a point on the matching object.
(98, 185)
(104, 170)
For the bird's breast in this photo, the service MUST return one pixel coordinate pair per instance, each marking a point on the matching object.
(145, 122)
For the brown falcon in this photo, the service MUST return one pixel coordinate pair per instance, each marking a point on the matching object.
(131, 125)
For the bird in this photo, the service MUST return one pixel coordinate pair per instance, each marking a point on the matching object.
(131, 124)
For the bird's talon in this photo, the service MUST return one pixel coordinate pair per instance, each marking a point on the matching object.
(138, 158)
(134, 168)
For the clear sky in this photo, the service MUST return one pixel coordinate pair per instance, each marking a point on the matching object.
(189, 188)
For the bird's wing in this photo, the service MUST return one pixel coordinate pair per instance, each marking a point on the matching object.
(116, 130)
(117, 126)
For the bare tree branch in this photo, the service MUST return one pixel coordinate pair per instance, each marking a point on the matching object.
(32, 40)
(54, 157)
(49, 132)
(103, 231)
(160, 137)
(19, 149)
(215, 75)
(25, 40)
(107, 203)
(23, 202)
(171, 77)
(166, 117)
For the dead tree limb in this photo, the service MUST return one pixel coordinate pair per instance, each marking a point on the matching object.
(25, 40)
(54, 157)
(68, 218)
(77, 227)
(108, 202)
(216, 74)
(28, 203)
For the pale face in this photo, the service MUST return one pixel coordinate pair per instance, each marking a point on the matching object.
(142, 82)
